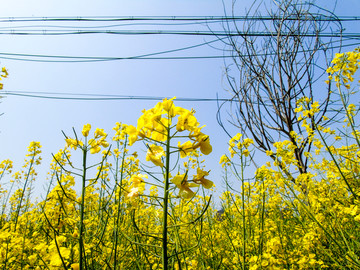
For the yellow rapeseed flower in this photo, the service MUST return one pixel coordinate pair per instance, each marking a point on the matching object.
(154, 154)
(199, 178)
(180, 180)
(185, 148)
(186, 121)
(86, 129)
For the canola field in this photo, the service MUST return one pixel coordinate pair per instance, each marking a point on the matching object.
(158, 213)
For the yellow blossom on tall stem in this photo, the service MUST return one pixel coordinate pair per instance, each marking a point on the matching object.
(154, 154)
(73, 143)
(86, 129)
(224, 161)
(181, 182)
(99, 132)
(204, 144)
(185, 149)
(132, 133)
(93, 146)
(160, 126)
(137, 185)
(200, 179)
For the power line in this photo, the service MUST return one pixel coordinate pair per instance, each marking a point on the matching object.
(104, 97)
(101, 97)
(81, 59)
(186, 19)
(317, 17)
(109, 25)
(101, 58)
(178, 32)
(154, 21)
(125, 58)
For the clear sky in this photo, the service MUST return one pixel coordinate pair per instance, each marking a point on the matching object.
(31, 119)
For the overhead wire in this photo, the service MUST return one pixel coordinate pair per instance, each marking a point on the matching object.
(149, 21)
(106, 26)
(174, 32)
(319, 17)
(170, 21)
(110, 26)
(149, 56)
(107, 97)
(156, 21)
(104, 97)
(102, 58)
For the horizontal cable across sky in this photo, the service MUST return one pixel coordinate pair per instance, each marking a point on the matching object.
(107, 97)
(340, 40)
(149, 56)
(94, 25)
(22, 26)
(97, 97)
(176, 32)
(176, 18)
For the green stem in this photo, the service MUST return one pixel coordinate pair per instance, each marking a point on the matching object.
(23, 191)
(243, 211)
(82, 206)
(166, 199)
(119, 204)
(349, 117)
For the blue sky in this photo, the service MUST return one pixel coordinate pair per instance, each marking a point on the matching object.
(30, 119)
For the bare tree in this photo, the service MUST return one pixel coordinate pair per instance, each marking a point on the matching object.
(278, 58)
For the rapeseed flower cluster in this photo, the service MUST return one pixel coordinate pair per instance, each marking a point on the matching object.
(154, 124)
(344, 66)
(162, 124)
(93, 144)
